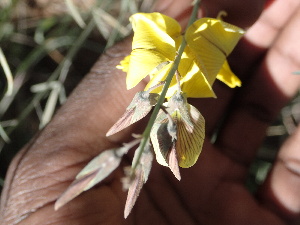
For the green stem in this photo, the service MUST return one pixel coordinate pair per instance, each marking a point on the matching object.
(146, 133)
(194, 15)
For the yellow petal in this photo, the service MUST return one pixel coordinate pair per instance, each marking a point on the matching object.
(161, 75)
(193, 82)
(190, 139)
(152, 44)
(227, 76)
(189, 135)
(222, 35)
(155, 31)
(124, 64)
(142, 63)
(211, 41)
(143, 22)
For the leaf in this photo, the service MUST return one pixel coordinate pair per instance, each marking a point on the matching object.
(75, 13)
(7, 72)
(95, 171)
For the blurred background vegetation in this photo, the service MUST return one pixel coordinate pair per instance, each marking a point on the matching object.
(47, 46)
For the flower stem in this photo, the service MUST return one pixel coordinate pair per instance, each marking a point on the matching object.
(161, 99)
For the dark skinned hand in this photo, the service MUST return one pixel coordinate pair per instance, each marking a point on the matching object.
(210, 192)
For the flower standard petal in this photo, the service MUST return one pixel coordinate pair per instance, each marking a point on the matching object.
(152, 44)
(193, 82)
(166, 27)
(222, 35)
(212, 40)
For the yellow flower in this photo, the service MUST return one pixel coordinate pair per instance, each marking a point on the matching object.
(156, 41)
(185, 134)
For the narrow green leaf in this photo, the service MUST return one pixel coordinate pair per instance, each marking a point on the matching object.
(75, 13)
(7, 73)
(3, 134)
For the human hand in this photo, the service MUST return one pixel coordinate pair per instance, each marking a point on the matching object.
(212, 191)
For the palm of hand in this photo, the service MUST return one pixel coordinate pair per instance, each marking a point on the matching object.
(211, 192)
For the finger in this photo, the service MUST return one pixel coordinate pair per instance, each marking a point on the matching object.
(261, 99)
(281, 189)
(260, 37)
(270, 23)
